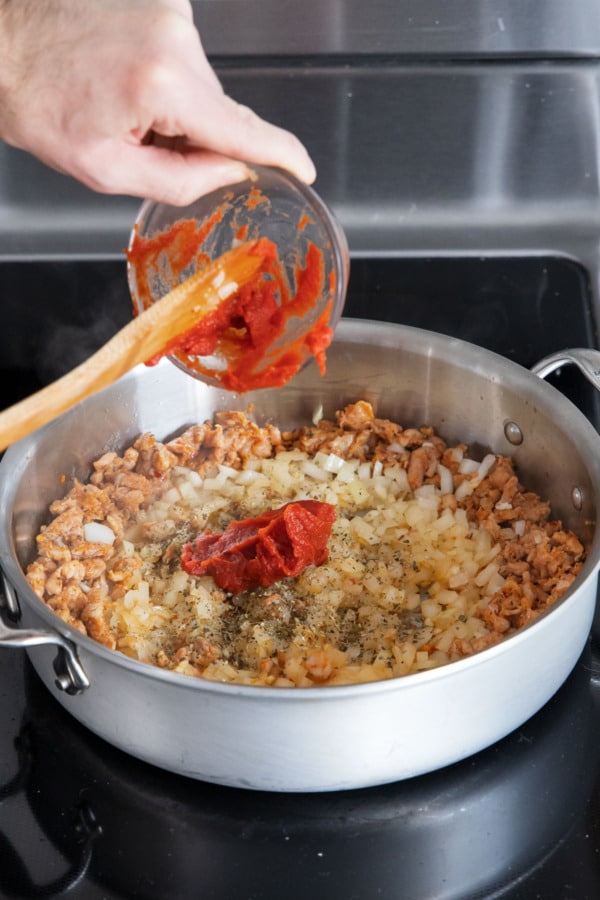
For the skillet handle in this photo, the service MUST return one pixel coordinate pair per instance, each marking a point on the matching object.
(70, 675)
(586, 360)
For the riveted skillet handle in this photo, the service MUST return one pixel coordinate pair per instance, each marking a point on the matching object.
(70, 676)
(586, 360)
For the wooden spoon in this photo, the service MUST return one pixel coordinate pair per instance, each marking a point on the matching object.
(141, 339)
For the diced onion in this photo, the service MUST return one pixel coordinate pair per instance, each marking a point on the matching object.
(250, 476)
(348, 471)
(425, 491)
(97, 533)
(485, 574)
(395, 447)
(313, 471)
(317, 414)
(486, 464)
(330, 462)
(446, 479)
(464, 489)
(364, 471)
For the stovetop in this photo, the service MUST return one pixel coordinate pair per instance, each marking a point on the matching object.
(519, 820)
(469, 191)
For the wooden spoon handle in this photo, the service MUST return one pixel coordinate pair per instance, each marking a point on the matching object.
(141, 339)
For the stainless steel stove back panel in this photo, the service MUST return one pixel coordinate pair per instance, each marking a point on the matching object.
(414, 28)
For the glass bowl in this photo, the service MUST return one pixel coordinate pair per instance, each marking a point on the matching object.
(168, 244)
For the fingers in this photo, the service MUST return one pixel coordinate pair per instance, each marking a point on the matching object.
(221, 124)
(251, 138)
(180, 178)
(159, 173)
(183, 7)
(214, 121)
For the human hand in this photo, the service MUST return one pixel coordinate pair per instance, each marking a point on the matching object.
(120, 95)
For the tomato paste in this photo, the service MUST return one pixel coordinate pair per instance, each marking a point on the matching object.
(248, 330)
(259, 551)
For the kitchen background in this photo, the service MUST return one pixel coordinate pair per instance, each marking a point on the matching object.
(459, 144)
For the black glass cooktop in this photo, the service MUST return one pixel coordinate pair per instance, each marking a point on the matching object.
(521, 820)
(55, 314)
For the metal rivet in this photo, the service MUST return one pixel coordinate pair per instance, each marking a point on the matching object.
(513, 433)
(63, 682)
(577, 498)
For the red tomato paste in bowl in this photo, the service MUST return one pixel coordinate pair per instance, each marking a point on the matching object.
(264, 332)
